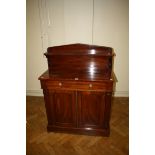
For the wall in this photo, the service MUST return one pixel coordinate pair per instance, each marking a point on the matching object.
(35, 62)
(70, 21)
(111, 29)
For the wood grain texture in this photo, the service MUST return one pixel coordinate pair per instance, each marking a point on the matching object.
(48, 82)
(79, 112)
(91, 109)
(80, 49)
(40, 142)
(76, 88)
(63, 108)
(78, 60)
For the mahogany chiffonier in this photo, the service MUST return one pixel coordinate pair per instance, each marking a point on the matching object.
(78, 88)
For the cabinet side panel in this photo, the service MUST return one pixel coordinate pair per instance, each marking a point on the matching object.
(107, 114)
(47, 97)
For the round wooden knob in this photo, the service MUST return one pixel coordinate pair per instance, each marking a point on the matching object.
(90, 85)
(60, 84)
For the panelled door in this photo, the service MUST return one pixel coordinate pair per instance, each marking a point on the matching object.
(63, 108)
(91, 106)
(82, 109)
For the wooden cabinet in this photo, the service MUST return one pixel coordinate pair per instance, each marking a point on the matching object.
(78, 102)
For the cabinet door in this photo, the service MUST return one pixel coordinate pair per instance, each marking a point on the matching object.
(91, 107)
(63, 108)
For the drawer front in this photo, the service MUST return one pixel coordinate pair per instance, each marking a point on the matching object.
(71, 85)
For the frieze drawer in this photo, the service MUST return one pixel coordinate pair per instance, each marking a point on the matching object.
(79, 85)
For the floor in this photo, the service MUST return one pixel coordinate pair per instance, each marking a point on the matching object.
(39, 142)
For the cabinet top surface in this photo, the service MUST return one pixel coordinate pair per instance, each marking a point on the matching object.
(74, 77)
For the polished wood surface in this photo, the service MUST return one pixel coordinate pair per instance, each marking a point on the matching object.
(85, 77)
(83, 112)
(77, 89)
(80, 49)
(62, 83)
(80, 60)
(40, 142)
(91, 109)
(63, 108)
